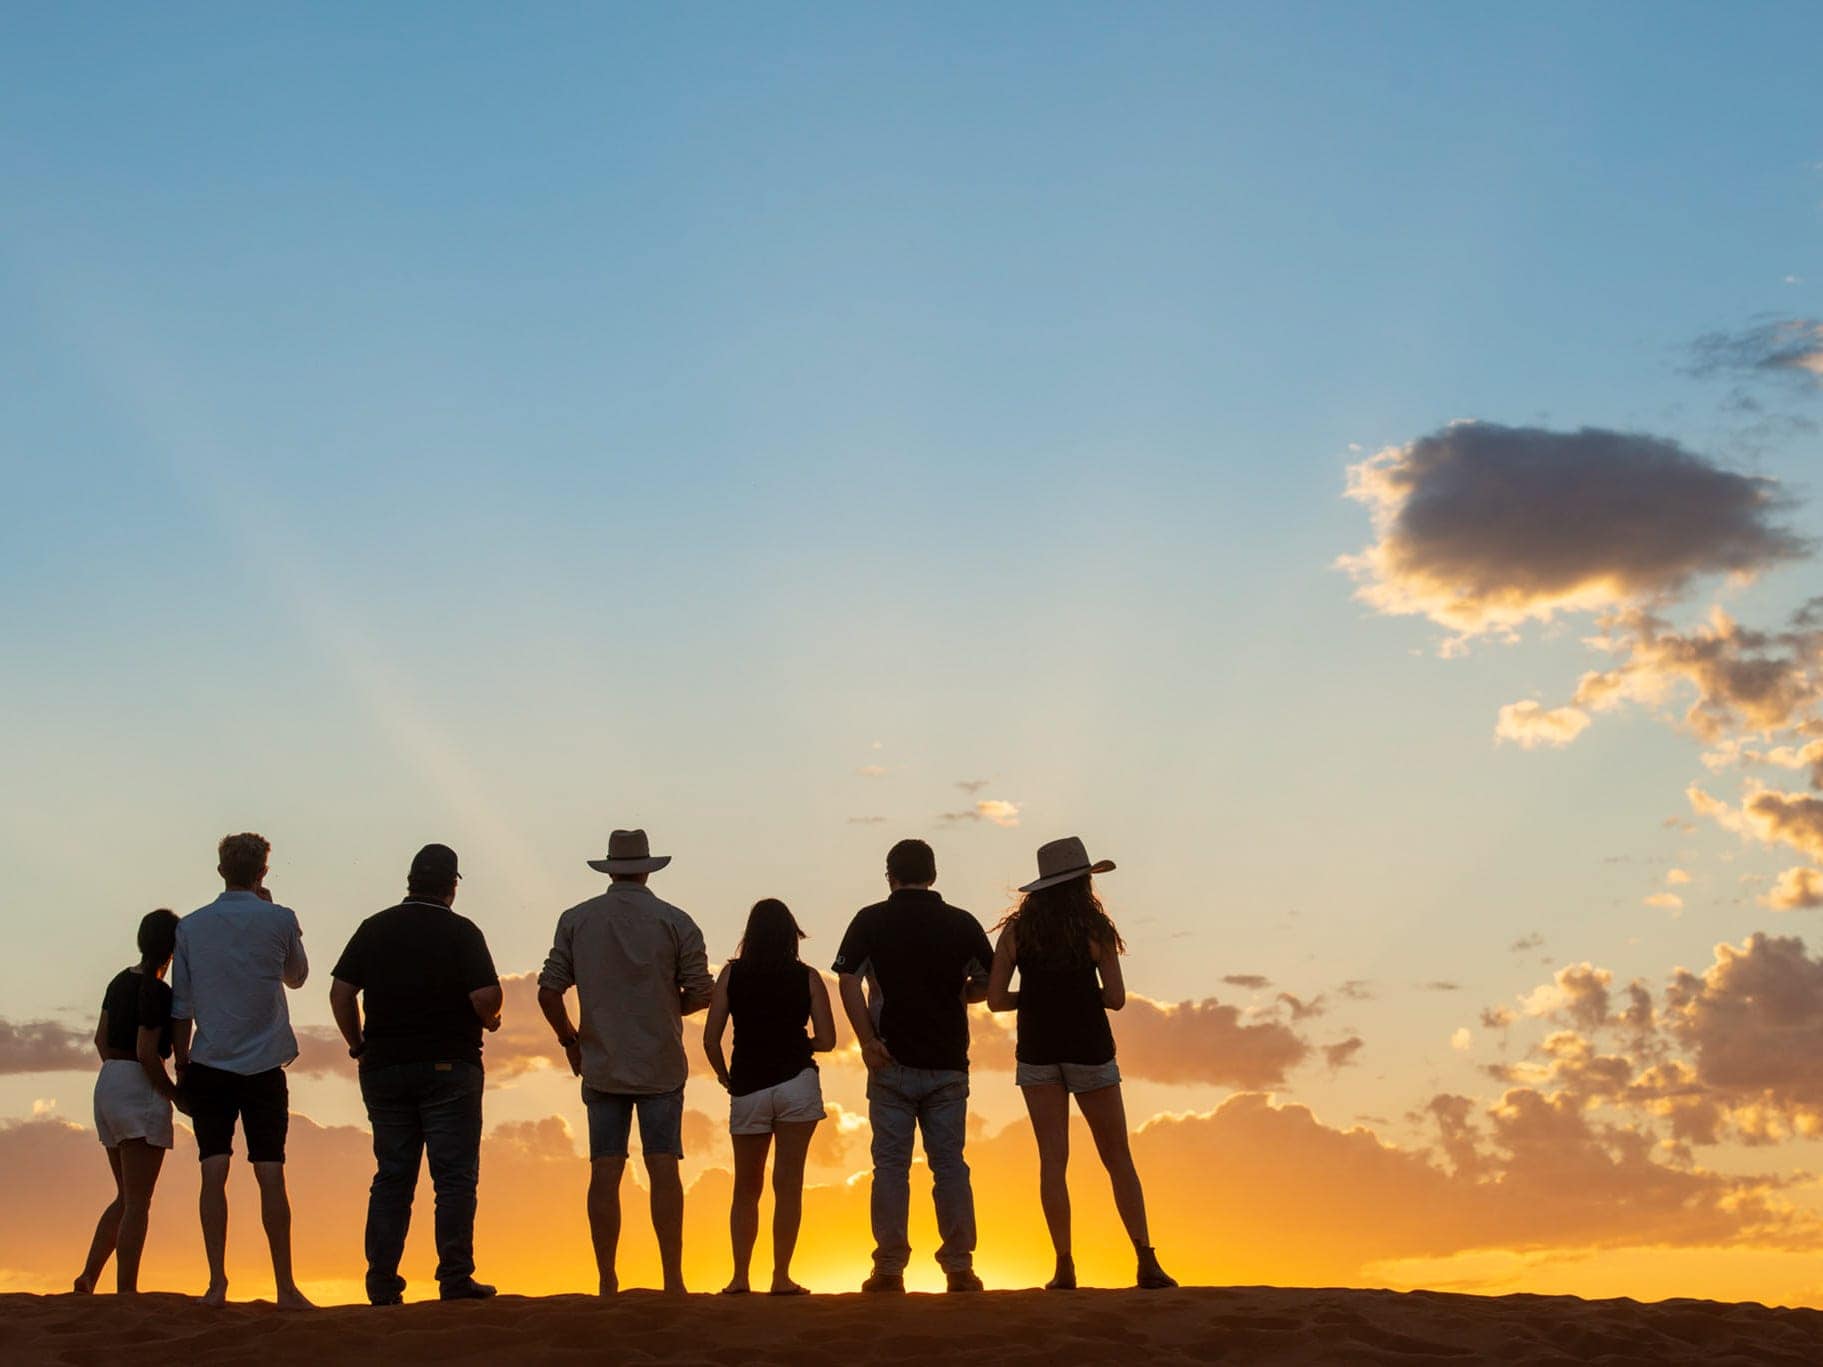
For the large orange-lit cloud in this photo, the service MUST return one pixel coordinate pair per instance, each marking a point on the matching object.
(44, 1047)
(1482, 527)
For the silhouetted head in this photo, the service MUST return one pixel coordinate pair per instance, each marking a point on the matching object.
(772, 935)
(1062, 923)
(242, 860)
(433, 874)
(157, 939)
(911, 864)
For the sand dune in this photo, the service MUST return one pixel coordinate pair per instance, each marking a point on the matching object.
(1233, 1325)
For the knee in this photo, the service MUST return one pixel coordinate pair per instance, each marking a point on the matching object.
(947, 1165)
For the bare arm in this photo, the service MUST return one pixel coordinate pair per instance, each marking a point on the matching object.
(1000, 994)
(557, 1012)
(874, 1052)
(154, 1066)
(714, 1026)
(487, 1002)
(180, 1046)
(1113, 985)
(822, 1017)
(345, 1006)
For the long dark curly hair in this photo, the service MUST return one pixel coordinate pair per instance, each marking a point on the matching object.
(1062, 924)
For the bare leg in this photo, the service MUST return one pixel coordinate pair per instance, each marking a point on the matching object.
(744, 1209)
(107, 1234)
(275, 1215)
(1049, 1107)
(668, 1216)
(139, 1165)
(1107, 1117)
(212, 1206)
(604, 1217)
(788, 1199)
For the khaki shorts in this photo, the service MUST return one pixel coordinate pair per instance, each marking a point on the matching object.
(792, 1102)
(1074, 1077)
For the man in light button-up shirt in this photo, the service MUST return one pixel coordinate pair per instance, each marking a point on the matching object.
(231, 1037)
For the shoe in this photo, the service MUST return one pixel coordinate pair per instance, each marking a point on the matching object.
(1151, 1276)
(470, 1290)
(884, 1282)
(962, 1279)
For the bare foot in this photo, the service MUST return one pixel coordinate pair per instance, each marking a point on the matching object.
(290, 1298)
(786, 1287)
(738, 1287)
(216, 1295)
(1065, 1280)
(83, 1285)
(676, 1288)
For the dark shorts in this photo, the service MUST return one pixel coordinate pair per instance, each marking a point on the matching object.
(260, 1101)
(661, 1122)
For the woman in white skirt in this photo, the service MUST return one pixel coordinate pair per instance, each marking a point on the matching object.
(133, 1099)
(774, 1093)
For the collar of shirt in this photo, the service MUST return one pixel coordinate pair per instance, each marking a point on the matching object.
(239, 895)
(920, 897)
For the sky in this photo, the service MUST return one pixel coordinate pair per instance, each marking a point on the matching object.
(1357, 468)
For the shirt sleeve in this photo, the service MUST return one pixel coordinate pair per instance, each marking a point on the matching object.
(297, 964)
(978, 954)
(559, 972)
(477, 964)
(180, 978)
(351, 968)
(693, 978)
(856, 947)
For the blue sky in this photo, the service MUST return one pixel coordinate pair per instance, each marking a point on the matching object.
(448, 423)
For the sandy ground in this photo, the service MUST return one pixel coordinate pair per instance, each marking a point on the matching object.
(1232, 1325)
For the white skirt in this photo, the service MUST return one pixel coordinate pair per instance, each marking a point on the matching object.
(128, 1106)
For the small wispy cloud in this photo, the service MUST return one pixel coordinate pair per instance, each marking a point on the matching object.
(973, 785)
(1665, 901)
(1526, 943)
(996, 810)
(865, 820)
(1530, 725)
(1782, 346)
(1253, 982)
(872, 771)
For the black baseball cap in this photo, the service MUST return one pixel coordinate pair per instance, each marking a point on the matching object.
(434, 861)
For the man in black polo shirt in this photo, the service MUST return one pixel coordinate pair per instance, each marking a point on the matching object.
(909, 967)
(429, 987)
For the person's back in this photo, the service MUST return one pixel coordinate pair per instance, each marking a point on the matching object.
(769, 1006)
(418, 964)
(909, 967)
(1061, 1017)
(235, 958)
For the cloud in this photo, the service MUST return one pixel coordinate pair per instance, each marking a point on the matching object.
(865, 820)
(1301, 1009)
(1438, 985)
(1530, 725)
(1342, 1052)
(1666, 901)
(1462, 1040)
(1789, 347)
(1254, 982)
(1798, 889)
(44, 1047)
(1676, 877)
(1481, 527)
(1525, 943)
(1794, 819)
(973, 785)
(872, 771)
(1579, 991)
(993, 809)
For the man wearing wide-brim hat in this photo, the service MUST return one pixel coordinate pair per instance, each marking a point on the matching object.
(639, 967)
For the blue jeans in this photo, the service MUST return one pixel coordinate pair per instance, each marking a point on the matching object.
(418, 1108)
(935, 1100)
(661, 1122)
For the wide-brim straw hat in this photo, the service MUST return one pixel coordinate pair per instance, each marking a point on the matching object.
(1061, 860)
(630, 852)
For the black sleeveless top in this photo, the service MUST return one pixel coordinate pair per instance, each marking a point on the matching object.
(770, 1008)
(1061, 1018)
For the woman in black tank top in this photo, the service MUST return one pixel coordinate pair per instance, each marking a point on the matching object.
(771, 996)
(1066, 952)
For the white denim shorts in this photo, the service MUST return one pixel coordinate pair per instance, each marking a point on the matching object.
(127, 1106)
(1075, 1077)
(797, 1100)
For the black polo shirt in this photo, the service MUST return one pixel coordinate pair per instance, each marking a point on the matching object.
(415, 964)
(917, 953)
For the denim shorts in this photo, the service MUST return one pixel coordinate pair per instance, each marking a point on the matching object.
(661, 1122)
(1074, 1077)
(794, 1101)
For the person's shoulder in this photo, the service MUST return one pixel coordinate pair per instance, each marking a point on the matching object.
(671, 911)
(873, 911)
(962, 916)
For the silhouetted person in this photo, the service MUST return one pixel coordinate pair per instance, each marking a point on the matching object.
(427, 982)
(1067, 954)
(909, 966)
(773, 1087)
(234, 960)
(638, 967)
(133, 1098)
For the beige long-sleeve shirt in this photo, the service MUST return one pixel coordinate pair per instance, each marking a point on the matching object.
(632, 959)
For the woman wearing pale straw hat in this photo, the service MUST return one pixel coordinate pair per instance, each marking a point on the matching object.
(1067, 954)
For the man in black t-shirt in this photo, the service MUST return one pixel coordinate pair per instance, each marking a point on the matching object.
(909, 967)
(429, 987)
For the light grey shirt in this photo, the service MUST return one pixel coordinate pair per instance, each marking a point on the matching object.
(631, 958)
(234, 960)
